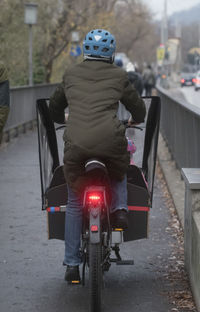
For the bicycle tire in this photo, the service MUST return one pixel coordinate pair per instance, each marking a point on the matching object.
(95, 276)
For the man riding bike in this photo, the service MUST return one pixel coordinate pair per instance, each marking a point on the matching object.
(92, 91)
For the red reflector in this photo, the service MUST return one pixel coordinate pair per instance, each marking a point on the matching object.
(53, 209)
(94, 228)
(138, 208)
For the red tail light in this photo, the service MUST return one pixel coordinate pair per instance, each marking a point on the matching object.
(182, 80)
(95, 198)
(194, 80)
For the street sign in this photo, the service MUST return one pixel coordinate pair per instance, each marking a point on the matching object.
(160, 53)
(173, 49)
(75, 50)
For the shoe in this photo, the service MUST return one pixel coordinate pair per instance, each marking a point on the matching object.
(72, 275)
(119, 219)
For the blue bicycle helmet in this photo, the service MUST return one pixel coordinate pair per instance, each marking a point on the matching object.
(99, 43)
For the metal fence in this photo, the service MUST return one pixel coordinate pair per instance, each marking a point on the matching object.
(180, 121)
(180, 127)
(23, 104)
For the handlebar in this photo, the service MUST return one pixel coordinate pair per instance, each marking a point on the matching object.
(135, 127)
(60, 127)
(127, 125)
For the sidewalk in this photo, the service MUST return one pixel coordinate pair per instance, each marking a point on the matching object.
(32, 275)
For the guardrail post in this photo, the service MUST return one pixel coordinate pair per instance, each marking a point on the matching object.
(192, 229)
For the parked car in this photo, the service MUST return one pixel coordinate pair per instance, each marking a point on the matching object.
(197, 81)
(187, 79)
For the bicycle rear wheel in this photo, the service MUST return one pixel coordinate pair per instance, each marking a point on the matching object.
(95, 276)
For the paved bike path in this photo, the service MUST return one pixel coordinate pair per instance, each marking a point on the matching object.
(31, 274)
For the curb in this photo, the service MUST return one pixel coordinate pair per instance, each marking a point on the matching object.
(173, 178)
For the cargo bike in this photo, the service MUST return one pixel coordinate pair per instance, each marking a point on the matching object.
(100, 239)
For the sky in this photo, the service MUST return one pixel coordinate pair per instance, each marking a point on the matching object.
(157, 6)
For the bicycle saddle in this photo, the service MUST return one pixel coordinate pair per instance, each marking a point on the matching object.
(94, 163)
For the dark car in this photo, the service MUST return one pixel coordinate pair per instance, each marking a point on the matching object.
(187, 79)
(197, 81)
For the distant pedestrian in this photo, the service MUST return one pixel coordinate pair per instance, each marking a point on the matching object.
(149, 80)
(4, 98)
(119, 62)
(136, 79)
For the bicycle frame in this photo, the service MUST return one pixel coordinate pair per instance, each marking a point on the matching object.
(99, 239)
(95, 205)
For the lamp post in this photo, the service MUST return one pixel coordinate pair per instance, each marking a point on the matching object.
(75, 47)
(75, 36)
(30, 18)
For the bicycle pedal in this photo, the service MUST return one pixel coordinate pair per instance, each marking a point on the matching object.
(125, 262)
(113, 260)
(75, 282)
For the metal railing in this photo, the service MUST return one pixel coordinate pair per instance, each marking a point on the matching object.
(23, 103)
(180, 127)
(180, 121)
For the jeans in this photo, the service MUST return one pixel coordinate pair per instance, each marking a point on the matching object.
(73, 219)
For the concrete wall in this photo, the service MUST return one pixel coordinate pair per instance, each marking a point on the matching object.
(180, 128)
(192, 229)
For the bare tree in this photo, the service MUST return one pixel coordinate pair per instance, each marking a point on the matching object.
(129, 20)
(14, 40)
(62, 20)
(134, 31)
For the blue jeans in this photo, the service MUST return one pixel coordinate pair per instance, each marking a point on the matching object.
(73, 219)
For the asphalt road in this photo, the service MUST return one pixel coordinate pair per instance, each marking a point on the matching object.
(191, 95)
(31, 271)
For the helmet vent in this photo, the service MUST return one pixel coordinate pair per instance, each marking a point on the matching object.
(99, 44)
